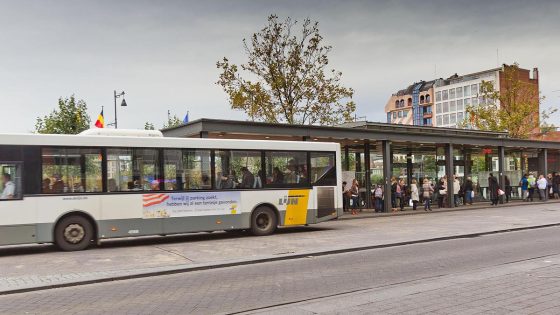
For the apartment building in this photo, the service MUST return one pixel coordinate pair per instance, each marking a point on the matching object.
(412, 106)
(451, 97)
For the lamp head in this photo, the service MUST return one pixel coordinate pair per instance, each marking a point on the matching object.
(123, 103)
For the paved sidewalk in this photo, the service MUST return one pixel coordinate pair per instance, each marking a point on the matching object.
(528, 287)
(36, 266)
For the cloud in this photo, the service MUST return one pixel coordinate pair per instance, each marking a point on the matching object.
(163, 54)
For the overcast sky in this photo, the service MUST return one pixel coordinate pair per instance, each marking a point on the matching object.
(163, 53)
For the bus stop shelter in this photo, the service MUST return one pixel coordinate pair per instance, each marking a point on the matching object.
(376, 152)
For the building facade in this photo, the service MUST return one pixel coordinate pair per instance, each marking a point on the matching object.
(412, 106)
(452, 96)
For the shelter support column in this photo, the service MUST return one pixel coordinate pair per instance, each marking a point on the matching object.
(346, 158)
(543, 162)
(501, 175)
(449, 167)
(387, 165)
(367, 176)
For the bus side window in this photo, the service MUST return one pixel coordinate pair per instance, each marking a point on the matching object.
(323, 169)
(70, 170)
(10, 181)
(286, 169)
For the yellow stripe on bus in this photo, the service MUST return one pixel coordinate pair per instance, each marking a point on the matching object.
(296, 210)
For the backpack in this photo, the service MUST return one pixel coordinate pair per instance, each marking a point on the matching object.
(378, 193)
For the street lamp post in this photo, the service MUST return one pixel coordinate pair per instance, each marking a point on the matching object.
(123, 103)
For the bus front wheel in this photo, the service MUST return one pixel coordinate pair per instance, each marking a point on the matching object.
(263, 221)
(73, 233)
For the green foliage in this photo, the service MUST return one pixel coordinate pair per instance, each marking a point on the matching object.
(291, 82)
(69, 118)
(514, 110)
(173, 121)
(149, 126)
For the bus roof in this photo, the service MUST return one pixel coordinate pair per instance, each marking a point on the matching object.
(161, 142)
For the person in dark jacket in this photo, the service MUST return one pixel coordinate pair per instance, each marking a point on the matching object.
(493, 188)
(508, 188)
(468, 190)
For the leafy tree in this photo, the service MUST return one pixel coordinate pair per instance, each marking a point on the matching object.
(69, 118)
(514, 110)
(149, 126)
(290, 81)
(172, 121)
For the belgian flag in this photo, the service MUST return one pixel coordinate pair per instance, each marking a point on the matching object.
(100, 123)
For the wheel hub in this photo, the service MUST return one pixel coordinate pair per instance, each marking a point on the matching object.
(263, 221)
(74, 233)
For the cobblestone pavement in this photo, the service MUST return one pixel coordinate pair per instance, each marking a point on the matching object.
(471, 274)
(24, 266)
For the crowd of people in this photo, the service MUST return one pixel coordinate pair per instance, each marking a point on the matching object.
(427, 192)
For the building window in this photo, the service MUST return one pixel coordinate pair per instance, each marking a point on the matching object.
(428, 109)
(400, 114)
(444, 95)
(474, 89)
(422, 99)
(467, 91)
(452, 94)
(453, 118)
(459, 92)
(445, 107)
(397, 104)
(394, 115)
(401, 104)
(460, 117)
(474, 101)
(452, 106)
(467, 102)
(427, 98)
(460, 105)
(438, 96)
(446, 119)
(438, 108)
(439, 121)
(409, 101)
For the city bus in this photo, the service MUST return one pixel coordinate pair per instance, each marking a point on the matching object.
(76, 190)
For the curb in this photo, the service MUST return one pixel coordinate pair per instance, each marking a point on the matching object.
(369, 214)
(184, 269)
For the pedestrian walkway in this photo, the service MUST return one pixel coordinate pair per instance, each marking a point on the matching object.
(369, 213)
(36, 266)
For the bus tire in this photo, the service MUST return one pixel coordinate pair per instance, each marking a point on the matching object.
(263, 221)
(73, 233)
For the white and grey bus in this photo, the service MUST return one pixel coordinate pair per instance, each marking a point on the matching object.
(75, 190)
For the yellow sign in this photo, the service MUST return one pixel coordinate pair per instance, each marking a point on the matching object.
(296, 207)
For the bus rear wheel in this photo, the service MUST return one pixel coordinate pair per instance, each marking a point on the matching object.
(263, 221)
(73, 233)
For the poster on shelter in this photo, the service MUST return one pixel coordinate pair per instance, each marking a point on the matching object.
(169, 205)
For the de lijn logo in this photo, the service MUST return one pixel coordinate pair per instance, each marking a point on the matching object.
(289, 200)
